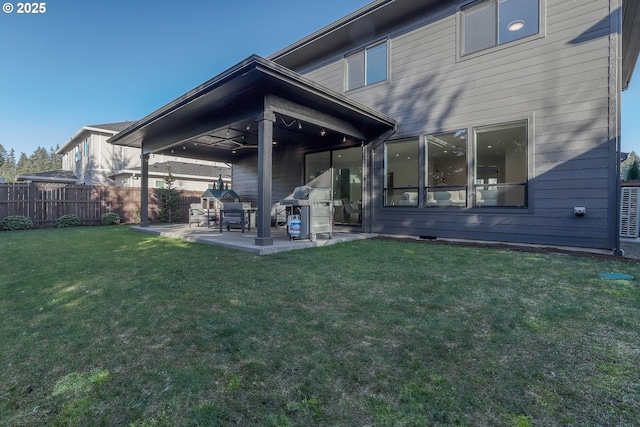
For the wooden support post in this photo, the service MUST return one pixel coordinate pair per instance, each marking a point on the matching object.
(144, 191)
(265, 156)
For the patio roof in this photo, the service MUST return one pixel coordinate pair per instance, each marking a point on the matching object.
(217, 120)
(255, 105)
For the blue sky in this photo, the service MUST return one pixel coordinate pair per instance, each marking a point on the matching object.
(85, 62)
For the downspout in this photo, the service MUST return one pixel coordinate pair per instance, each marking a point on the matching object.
(615, 84)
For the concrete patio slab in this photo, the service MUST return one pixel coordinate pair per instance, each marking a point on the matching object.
(235, 239)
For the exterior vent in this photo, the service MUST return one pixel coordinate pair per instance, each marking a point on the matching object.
(629, 212)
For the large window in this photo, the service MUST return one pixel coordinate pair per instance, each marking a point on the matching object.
(366, 66)
(482, 166)
(501, 165)
(446, 171)
(494, 22)
(401, 171)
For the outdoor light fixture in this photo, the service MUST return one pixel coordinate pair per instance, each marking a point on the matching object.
(299, 125)
(322, 132)
(184, 147)
(248, 127)
(516, 25)
(344, 139)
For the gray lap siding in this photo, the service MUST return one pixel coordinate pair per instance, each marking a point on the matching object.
(560, 82)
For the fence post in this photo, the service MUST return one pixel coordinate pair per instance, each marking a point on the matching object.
(32, 203)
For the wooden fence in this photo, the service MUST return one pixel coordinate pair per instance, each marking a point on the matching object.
(45, 203)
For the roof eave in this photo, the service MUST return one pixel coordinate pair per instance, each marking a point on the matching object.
(132, 136)
(181, 101)
(340, 23)
(72, 141)
(631, 40)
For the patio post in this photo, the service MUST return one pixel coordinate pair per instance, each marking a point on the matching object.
(144, 191)
(265, 152)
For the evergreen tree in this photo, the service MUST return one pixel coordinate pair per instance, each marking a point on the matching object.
(24, 165)
(39, 160)
(169, 197)
(55, 160)
(634, 171)
(8, 168)
(3, 155)
(626, 165)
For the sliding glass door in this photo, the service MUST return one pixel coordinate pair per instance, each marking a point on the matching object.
(347, 180)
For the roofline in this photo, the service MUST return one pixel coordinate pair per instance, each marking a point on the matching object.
(156, 173)
(258, 63)
(340, 23)
(46, 179)
(181, 100)
(62, 149)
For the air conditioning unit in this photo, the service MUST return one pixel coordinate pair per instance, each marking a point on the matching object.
(629, 212)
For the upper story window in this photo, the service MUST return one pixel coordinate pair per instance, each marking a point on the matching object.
(366, 66)
(86, 147)
(491, 23)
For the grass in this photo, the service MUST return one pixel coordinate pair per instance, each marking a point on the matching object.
(104, 326)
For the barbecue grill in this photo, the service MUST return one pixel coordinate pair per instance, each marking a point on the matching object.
(309, 212)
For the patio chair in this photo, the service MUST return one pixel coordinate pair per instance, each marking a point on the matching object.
(197, 214)
(234, 215)
(350, 210)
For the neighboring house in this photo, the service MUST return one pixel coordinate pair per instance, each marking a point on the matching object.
(49, 177)
(475, 119)
(95, 162)
(191, 176)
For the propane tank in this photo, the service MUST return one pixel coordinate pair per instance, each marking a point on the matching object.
(295, 225)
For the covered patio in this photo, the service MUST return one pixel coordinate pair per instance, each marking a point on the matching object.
(253, 115)
(245, 241)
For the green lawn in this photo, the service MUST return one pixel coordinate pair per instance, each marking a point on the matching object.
(105, 326)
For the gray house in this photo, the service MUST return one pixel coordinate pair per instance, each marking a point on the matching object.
(487, 120)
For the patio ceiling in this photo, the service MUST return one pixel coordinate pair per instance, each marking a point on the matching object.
(217, 120)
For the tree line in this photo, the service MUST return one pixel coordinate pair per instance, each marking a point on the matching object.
(41, 160)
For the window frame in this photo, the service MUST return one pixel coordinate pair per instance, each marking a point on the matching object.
(460, 31)
(364, 50)
(473, 174)
(471, 159)
(388, 201)
(430, 190)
